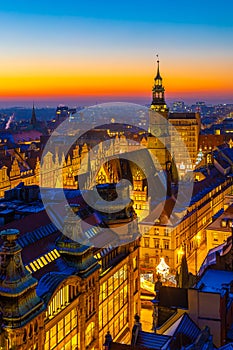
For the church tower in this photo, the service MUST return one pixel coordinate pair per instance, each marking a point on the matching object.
(33, 118)
(158, 142)
(158, 102)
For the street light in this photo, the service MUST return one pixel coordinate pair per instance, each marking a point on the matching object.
(180, 253)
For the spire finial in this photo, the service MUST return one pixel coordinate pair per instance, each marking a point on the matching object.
(158, 72)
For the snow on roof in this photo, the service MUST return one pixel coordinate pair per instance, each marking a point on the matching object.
(213, 281)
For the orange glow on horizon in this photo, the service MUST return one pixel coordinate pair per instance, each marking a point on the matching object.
(45, 86)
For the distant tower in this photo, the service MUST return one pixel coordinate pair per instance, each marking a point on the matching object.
(158, 143)
(33, 118)
(158, 102)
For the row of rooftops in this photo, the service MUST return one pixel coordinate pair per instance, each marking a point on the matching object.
(183, 333)
(212, 178)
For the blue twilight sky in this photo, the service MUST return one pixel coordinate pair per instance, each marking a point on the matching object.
(104, 50)
(199, 12)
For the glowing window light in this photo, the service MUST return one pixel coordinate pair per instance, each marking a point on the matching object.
(36, 264)
(28, 268)
(33, 267)
(48, 258)
(51, 257)
(43, 260)
(56, 252)
(53, 254)
(39, 262)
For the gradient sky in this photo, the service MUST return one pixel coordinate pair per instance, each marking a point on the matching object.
(98, 51)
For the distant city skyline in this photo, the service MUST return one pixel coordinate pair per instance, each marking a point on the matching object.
(85, 53)
(90, 101)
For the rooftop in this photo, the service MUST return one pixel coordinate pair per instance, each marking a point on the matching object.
(214, 281)
(222, 222)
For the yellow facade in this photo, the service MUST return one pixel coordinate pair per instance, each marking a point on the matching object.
(188, 127)
(189, 236)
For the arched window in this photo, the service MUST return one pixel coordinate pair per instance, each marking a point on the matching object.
(59, 302)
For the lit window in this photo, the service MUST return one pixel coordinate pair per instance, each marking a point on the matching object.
(39, 262)
(44, 261)
(50, 255)
(33, 267)
(56, 252)
(28, 268)
(89, 333)
(146, 242)
(53, 254)
(48, 258)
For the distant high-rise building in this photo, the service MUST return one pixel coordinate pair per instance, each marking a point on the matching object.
(188, 126)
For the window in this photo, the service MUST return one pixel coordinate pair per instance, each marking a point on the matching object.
(156, 231)
(166, 232)
(135, 264)
(146, 258)
(59, 301)
(53, 337)
(136, 285)
(156, 243)
(146, 242)
(89, 334)
(166, 244)
(110, 309)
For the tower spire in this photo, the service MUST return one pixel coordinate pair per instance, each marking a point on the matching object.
(33, 118)
(158, 102)
(158, 76)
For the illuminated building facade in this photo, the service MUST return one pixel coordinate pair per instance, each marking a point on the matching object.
(188, 126)
(161, 239)
(64, 295)
(140, 195)
(220, 229)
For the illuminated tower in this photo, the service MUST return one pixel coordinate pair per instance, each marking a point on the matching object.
(158, 142)
(158, 102)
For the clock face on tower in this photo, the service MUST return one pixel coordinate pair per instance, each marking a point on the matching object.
(155, 130)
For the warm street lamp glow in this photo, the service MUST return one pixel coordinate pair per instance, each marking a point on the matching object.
(180, 252)
(197, 238)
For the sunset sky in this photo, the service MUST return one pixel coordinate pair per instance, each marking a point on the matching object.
(75, 52)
